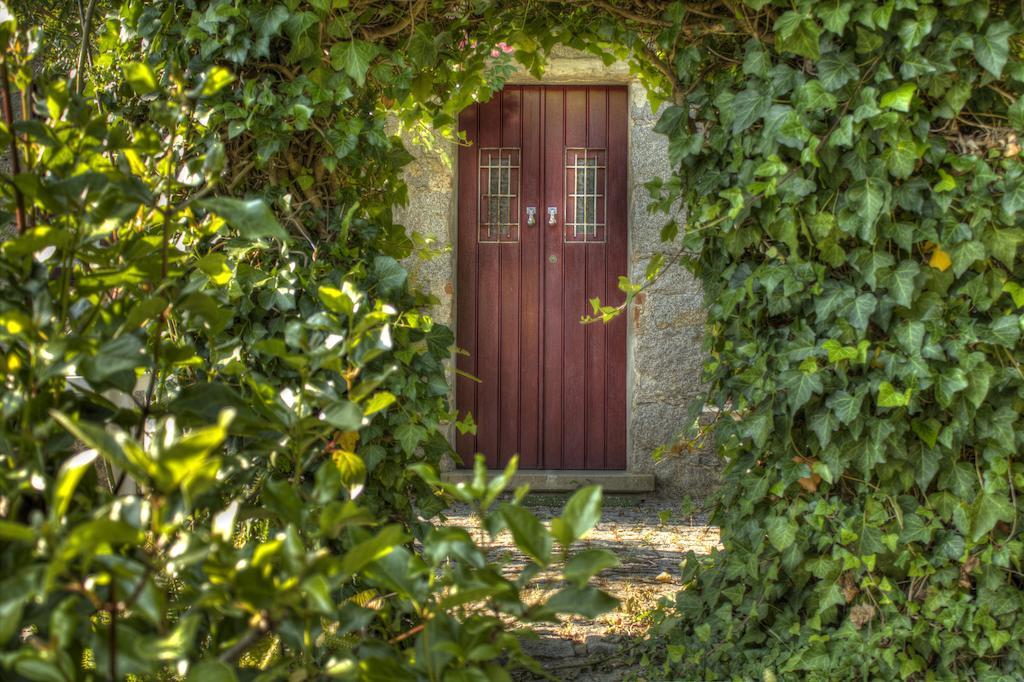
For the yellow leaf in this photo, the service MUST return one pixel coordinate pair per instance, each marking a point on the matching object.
(940, 259)
(347, 440)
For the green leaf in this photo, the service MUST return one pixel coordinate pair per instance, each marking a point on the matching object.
(965, 255)
(797, 34)
(836, 69)
(588, 563)
(251, 217)
(344, 415)
(580, 515)
(946, 183)
(390, 274)
(529, 534)
(216, 79)
(211, 671)
(781, 532)
(927, 430)
(140, 77)
(353, 57)
(888, 396)
(70, 474)
(860, 310)
(1003, 331)
(409, 436)
(588, 602)
(899, 98)
(901, 282)
(799, 387)
(11, 531)
(748, 106)
(992, 49)
(368, 551)
(1013, 197)
(846, 406)
(1003, 244)
(988, 510)
(913, 31)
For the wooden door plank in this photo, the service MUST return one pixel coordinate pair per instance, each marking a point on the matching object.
(489, 310)
(553, 118)
(596, 254)
(617, 264)
(509, 296)
(530, 284)
(574, 304)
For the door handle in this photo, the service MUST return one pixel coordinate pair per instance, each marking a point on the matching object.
(531, 215)
(552, 215)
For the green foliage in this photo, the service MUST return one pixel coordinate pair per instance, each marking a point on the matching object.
(223, 403)
(854, 211)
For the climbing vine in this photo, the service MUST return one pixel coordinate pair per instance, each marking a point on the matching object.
(852, 175)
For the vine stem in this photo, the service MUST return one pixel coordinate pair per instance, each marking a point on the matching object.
(5, 97)
(83, 51)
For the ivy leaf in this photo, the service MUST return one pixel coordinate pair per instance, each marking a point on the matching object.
(967, 254)
(992, 49)
(988, 510)
(836, 69)
(888, 396)
(846, 406)
(1004, 331)
(251, 217)
(860, 310)
(927, 430)
(901, 282)
(913, 31)
(409, 436)
(1002, 244)
(940, 260)
(672, 120)
(353, 57)
(899, 98)
(749, 106)
(800, 386)
(946, 183)
(390, 274)
(1013, 197)
(798, 35)
(868, 197)
(781, 532)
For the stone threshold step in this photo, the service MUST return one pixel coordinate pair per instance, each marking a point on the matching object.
(566, 480)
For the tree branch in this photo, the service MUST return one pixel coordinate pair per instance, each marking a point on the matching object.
(398, 26)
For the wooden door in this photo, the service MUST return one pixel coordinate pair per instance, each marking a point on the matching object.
(550, 388)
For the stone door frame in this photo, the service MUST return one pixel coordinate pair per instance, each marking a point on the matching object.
(665, 325)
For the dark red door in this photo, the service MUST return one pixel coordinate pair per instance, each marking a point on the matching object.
(542, 230)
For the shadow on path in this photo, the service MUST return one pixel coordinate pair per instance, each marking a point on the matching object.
(650, 553)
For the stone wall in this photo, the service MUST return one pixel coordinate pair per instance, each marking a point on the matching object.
(665, 323)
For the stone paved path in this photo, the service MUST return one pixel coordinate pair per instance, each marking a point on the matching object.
(649, 550)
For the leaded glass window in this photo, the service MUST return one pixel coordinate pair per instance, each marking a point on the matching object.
(585, 181)
(499, 194)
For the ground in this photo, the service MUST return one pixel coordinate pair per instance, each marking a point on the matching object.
(651, 537)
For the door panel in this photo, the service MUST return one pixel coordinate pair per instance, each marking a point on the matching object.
(551, 389)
